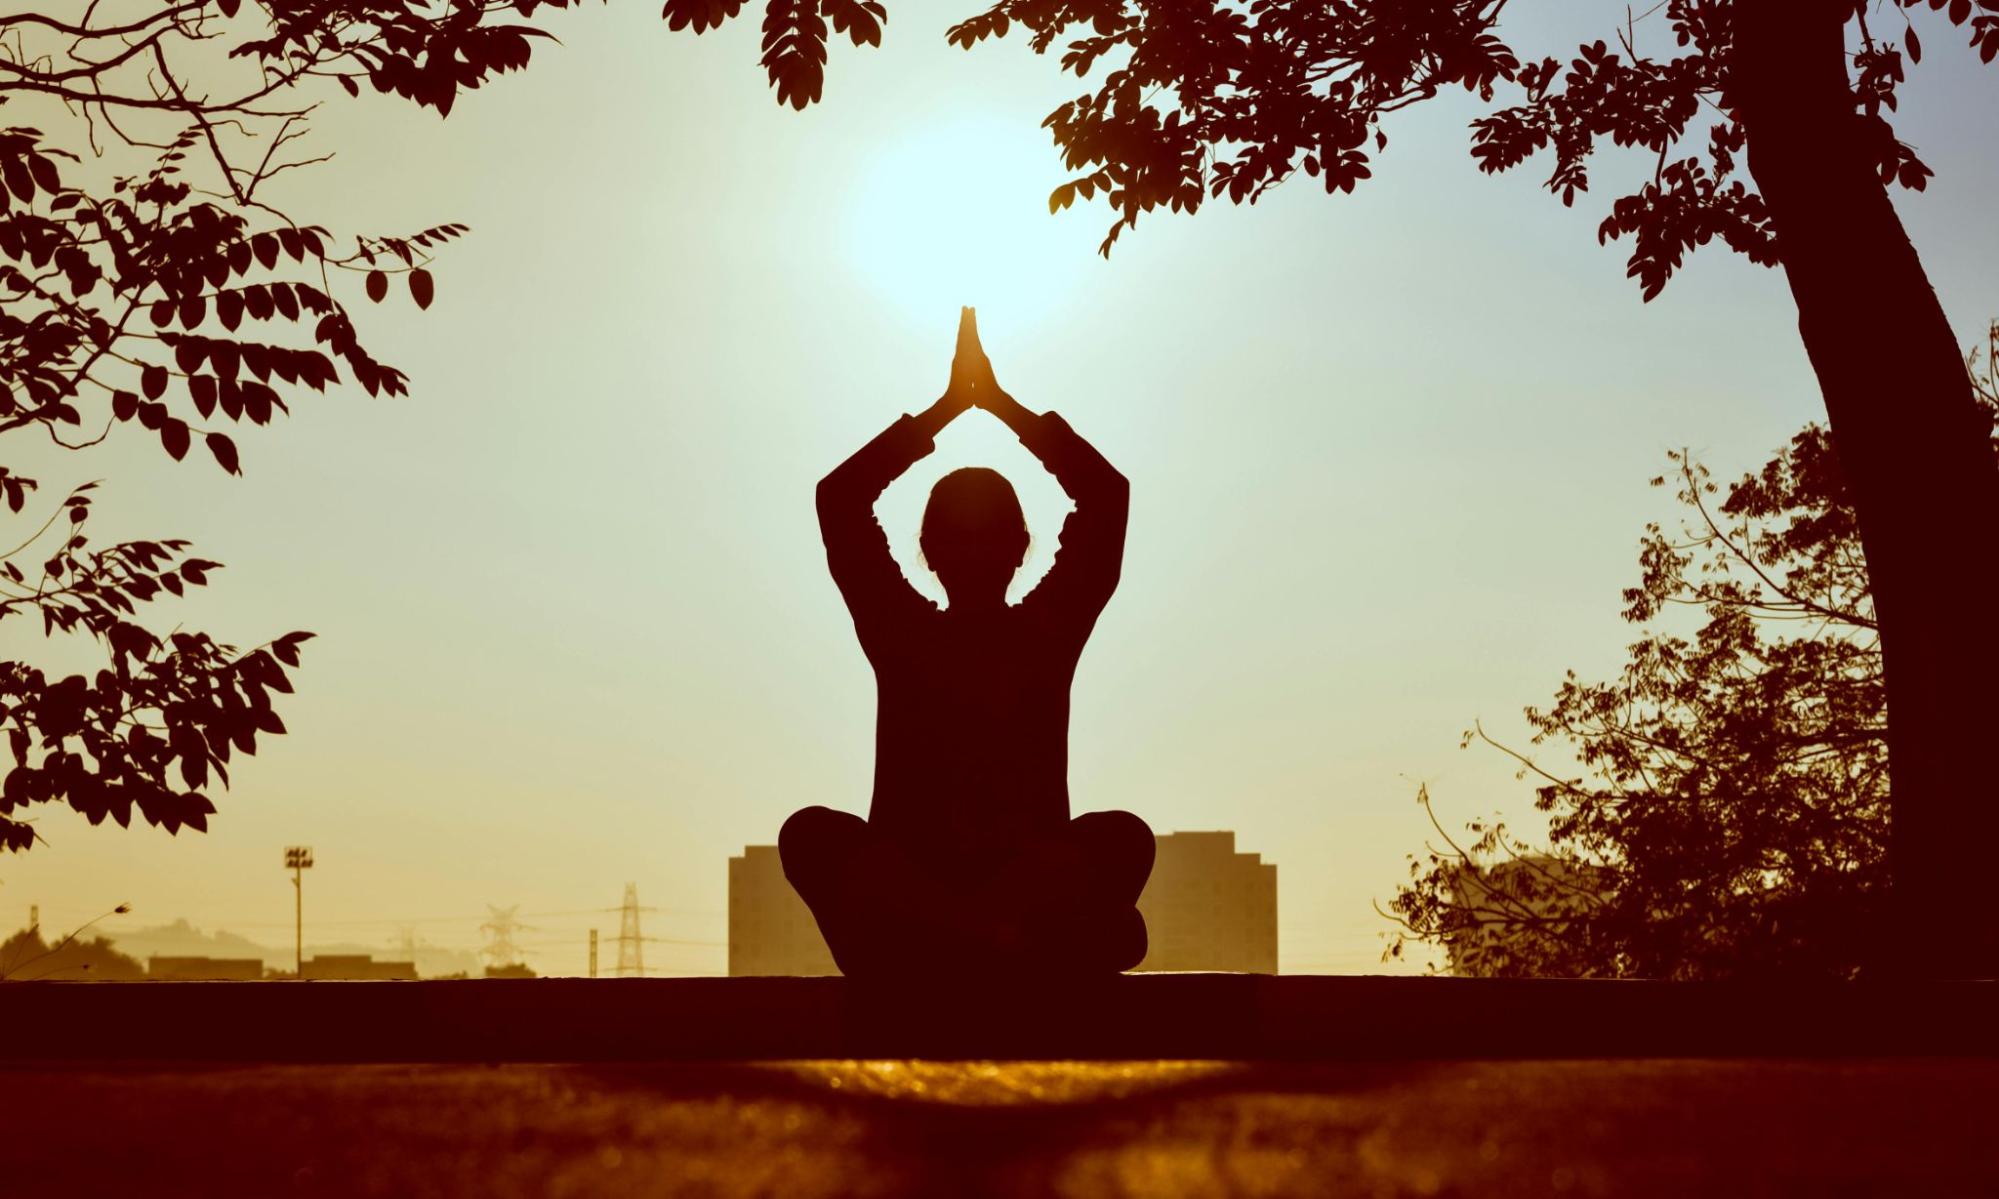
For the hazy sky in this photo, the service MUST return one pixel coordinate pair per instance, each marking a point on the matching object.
(1388, 457)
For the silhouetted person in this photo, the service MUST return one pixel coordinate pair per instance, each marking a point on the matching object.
(969, 860)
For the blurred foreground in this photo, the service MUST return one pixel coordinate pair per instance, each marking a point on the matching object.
(1503, 1128)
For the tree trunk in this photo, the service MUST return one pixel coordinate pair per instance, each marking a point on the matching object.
(1919, 460)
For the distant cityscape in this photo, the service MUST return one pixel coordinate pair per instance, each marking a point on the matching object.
(181, 952)
(1207, 907)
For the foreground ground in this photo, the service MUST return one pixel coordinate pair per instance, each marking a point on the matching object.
(1510, 1128)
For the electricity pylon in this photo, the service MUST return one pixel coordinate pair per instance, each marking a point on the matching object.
(500, 927)
(631, 951)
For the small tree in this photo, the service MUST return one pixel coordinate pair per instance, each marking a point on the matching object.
(1734, 814)
(27, 957)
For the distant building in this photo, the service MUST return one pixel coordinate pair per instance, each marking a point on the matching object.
(771, 931)
(355, 967)
(203, 969)
(1206, 907)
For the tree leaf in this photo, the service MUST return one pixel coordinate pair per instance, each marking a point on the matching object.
(174, 436)
(44, 172)
(225, 454)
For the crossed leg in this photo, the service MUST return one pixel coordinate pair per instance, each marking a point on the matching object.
(1066, 902)
(856, 883)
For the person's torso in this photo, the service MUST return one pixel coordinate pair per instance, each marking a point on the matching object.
(972, 727)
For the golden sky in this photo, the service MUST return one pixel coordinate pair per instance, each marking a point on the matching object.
(1388, 458)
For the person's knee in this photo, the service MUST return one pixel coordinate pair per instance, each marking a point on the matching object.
(1097, 941)
(810, 840)
(799, 832)
(1121, 839)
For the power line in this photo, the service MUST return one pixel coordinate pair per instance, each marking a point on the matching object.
(647, 940)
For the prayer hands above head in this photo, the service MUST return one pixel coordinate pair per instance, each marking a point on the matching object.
(972, 365)
(972, 383)
(966, 362)
(970, 368)
(960, 393)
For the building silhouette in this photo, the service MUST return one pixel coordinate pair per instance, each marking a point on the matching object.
(356, 967)
(1206, 907)
(204, 969)
(771, 931)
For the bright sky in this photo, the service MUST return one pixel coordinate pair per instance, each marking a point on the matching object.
(1388, 456)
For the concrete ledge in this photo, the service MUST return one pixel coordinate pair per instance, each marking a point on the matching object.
(1246, 1017)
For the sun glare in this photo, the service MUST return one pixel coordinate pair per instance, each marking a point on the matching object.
(957, 213)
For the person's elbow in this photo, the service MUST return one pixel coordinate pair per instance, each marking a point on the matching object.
(831, 493)
(1114, 488)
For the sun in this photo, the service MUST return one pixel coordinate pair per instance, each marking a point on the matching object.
(957, 213)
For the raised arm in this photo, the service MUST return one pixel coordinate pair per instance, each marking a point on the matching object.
(856, 548)
(1090, 556)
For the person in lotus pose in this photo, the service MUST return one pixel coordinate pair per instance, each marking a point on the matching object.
(969, 860)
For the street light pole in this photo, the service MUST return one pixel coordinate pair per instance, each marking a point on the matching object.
(297, 859)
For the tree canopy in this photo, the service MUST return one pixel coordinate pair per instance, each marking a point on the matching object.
(1732, 813)
(1209, 100)
(151, 286)
(156, 291)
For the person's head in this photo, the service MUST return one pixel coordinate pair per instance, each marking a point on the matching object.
(974, 535)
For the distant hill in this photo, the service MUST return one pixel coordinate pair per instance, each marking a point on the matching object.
(181, 939)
